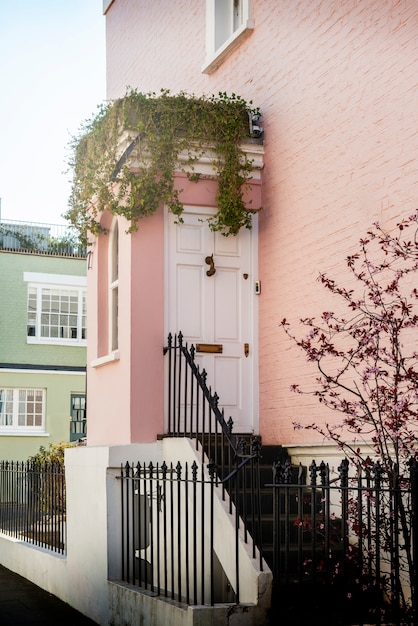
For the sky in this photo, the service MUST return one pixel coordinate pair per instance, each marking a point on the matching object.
(52, 78)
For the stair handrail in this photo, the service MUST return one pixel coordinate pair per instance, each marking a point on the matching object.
(175, 342)
(236, 468)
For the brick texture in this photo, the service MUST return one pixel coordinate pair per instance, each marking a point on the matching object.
(337, 82)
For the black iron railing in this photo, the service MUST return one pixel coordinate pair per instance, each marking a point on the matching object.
(170, 538)
(193, 411)
(33, 503)
(349, 545)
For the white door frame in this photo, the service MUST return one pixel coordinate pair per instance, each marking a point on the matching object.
(254, 302)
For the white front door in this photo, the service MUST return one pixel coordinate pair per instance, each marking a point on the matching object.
(211, 301)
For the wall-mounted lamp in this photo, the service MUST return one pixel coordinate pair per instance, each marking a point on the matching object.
(253, 121)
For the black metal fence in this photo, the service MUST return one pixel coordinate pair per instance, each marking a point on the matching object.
(33, 503)
(192, 408)
(347, 547)
(193, 411)
(169, 532)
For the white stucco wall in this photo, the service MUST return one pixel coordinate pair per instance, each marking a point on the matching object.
(81, 578)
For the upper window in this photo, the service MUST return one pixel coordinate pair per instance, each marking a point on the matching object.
(56, 312)
(228, 22)
(22, 410)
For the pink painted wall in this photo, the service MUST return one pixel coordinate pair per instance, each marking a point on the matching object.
(126, 395)
(146, 283)
(337, 82)
(108, 385)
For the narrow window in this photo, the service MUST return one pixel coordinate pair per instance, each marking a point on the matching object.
(228, 18)
(6, 407)
(78, 416)
(113, 286)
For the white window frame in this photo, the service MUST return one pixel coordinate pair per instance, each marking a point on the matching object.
(13, 428)
(39, 282)
(113, 269)
(236, 31)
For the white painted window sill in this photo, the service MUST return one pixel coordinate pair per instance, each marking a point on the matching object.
(58, 342)
(23, 433)
(108, 358)
(216, 58)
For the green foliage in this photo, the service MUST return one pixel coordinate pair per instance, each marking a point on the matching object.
(28, 239)
(160, 127)
(25, 241)
(68, 244)
(53, 454)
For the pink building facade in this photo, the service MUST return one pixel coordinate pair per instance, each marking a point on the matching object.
(337, 86)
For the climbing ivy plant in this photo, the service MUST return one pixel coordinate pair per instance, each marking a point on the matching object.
(160, 127)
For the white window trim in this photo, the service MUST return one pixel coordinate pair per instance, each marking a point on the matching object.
(113, 292)
(25, 431)
(108, 358)
(62, 280)
(214, 57)
(39, 280)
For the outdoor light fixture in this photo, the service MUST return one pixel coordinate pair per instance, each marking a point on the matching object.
(256, 130)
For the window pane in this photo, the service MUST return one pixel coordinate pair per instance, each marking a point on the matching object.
(6, 407)
(59, 313)
(32, 299)
(30, 408)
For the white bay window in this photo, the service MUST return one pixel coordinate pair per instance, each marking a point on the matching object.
(56, 309)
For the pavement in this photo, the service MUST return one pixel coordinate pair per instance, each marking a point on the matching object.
(22, 604)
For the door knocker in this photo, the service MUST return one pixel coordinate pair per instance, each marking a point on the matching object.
(210, 262)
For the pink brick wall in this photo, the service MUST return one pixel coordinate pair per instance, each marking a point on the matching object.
(337, 82)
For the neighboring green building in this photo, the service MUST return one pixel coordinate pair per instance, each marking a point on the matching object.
(42, 338)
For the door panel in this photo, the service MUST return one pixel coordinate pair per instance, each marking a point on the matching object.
(228, 381)
(215, 307)
(189, 308)
(226, 303)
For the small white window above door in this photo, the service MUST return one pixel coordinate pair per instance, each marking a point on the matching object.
(228, 22)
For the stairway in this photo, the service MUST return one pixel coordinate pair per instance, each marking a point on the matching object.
(299, 539)
(270, 454)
